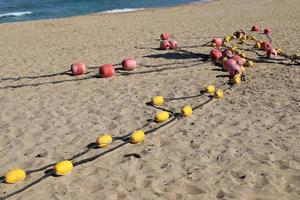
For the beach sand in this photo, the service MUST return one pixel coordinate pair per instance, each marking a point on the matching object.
(245, 146)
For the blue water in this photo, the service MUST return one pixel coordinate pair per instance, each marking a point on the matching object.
(23, 10)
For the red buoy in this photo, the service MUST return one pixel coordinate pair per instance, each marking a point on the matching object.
(265, 45)
(78, 69)
(129, 64)
(229, 63)
(255, 28)
(234, 69)
(165, 36)
(271, 53)
(173, 44)
(217, 41)
(215, 54)
(267, 31)
(106, 70)
(164, 45)
(238, 59)
(228, 53)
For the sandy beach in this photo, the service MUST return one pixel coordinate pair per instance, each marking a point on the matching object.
(245, 146)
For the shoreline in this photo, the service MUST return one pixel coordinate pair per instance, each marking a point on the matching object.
(109, 12)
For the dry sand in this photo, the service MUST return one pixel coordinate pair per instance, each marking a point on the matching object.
(246, 146)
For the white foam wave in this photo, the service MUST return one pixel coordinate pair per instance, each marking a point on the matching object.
(122, 10)
(15, 14)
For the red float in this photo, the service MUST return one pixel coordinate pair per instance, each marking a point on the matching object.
(215, 54)
(265, 45)
(78, 69)
(238, 59)
(129, 64)
(165, 36)
(234, 69)
(173, 44)
(164, 45)
(255, 28)
(228, 53)
(106, 70)
(271, 53)
(217, 41)
(229, 63)
(267, 31)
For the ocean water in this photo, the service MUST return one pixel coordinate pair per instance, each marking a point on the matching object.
(23, 10)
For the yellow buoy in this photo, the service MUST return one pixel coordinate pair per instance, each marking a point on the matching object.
(257, 45)
(186, 111)
(14, 176)
(210, 89)
(242, 69)
(236, 79)
(104, 140)
(227, 38)
(234, 47)
(157, 100)
(137, 136)
(243, 55)
(219, 94)
(249, 63)
(279, 51)
(63, 167)
(161, 116)
(222, 60)
(243, 41)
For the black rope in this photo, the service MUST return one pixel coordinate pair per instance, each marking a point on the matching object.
(45, 83)
(35, 77)
(186, 97)
(25, 187)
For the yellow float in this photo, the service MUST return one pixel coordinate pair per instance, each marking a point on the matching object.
(15, 176)
(162, 116)
(137, 136)
(104, 140)
(63, 167)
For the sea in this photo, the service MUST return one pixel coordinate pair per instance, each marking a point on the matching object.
(24, 10)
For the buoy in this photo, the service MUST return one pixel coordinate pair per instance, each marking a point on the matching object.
(227, 38)
(137, 136)
(242, 69)
(215, 54)
(14, 176)
(234, 47)
(129, 64)
(229, 63)
(243, 55)
(210, 89)
(271, 53)
(228, 53)
(279, 51)
(238, 59)
(186, 110)
(249, 63)
(255, 28)
(78, 69)
(257, 45)
(106, 70)
(267, 31)
(157, 100)
(162, 116)
(222, 59)
(104, 140)
(217, 42)
(63, 167)
(236, 79)
(265, 45)
(164, 45)
(173, 44)
(219, 94)
(165, 36)
(233, 70)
